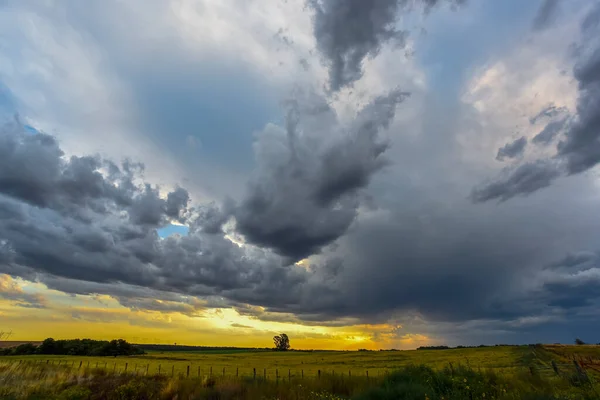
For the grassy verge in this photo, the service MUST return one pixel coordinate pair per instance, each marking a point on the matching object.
(52, 382)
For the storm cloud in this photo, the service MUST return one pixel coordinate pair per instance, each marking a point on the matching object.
(305, 194)
(358, 208)
(349, 31)
(513, 149)
(580, 149)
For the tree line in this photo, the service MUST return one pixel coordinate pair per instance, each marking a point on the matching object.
(75, 347)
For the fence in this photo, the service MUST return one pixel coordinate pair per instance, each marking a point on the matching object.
(577, 368)
(197, 371)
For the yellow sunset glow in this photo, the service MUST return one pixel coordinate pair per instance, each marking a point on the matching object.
(34, 312)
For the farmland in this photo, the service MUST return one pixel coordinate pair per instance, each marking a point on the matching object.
(505, 372)
(271, 364)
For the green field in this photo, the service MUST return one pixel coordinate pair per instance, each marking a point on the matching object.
(502, 372)
(505, 359)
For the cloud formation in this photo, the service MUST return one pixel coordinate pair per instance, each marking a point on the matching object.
(513, 149)
(545, 14)
(305, 194)
(349, 31)
(580, 149)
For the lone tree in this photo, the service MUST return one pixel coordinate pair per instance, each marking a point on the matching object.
(282, 342)
(579, 341)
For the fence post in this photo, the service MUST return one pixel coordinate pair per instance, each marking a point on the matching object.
(367, 374)
(276, 374)
(126, 366)
(80, 362)
(210, 372)
(188, 372)
(265, 374)
(47, 361)
(349, 373)
(555, 367)
(223, 371)
(237, 371)
(159, 369)
(254, 373)
(319, 374)
(147, 368)
(198, 371)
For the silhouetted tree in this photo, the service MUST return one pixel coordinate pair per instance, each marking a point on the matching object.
(579, 341)
(282, 342)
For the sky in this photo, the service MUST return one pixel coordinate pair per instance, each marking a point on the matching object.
(356, 174)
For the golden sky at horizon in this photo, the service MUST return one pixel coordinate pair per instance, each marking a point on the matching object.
(34, 312)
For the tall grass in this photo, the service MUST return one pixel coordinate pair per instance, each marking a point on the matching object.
(53, 382)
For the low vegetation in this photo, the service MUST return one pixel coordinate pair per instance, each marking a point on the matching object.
(29, 381)
(533, 372)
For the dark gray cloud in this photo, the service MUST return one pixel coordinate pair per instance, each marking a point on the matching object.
(573, 282)
(349, 31)
(520, 181)
(580, 149)
(550, 131)
(545, 14)
(513, 149)
(548, 112)
(304, 196)
(86, 219)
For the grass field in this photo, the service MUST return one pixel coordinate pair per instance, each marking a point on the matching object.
(285, 364)
(505, 372)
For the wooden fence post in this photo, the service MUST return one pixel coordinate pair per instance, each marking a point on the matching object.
(276, 374)
(319, 372)
(265, 374)
(237, 371)
(198, 371)
(159, 369)
(210, 372)
(223, 371)
(254, 373)
(126, 366)
(188, 372)
(80, 362)
(147, 368)
(367, 374)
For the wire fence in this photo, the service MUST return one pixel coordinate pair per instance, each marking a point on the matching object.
(579, 369)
